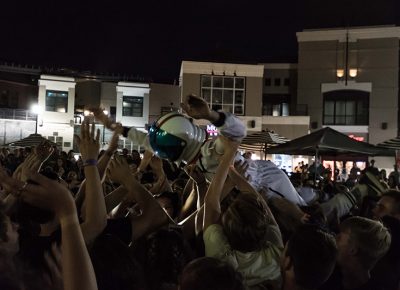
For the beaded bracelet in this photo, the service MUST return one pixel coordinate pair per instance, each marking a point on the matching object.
(90, 162)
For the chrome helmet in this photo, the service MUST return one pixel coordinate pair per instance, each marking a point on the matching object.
(174, 137)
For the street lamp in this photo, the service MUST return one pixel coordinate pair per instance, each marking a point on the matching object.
(36, 109)
(104, 127)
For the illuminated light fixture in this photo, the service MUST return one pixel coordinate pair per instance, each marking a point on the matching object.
(353, 72)
(86, 113)
(105, 112)
(340, 73)
(36, 109)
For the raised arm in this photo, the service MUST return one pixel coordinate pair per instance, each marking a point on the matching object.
(162, 183)
(77, 268)
(131, 133)
(237, 175)
(153, 216)
(105, 159)
(95, 208)
(212, 207)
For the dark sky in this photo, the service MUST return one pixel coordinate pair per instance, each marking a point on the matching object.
(151, 38)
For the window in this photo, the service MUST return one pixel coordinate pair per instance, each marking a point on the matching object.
(224, 93)
(286, 82)
(113, 112)
(57, 101)
(276, 105)
(346, 107)
(277, 82)
(132, 106)
(268, 82)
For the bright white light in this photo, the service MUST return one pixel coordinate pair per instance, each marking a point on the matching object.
(86, 113)
(36, 109)
(61, 110)
(105, 112)
(353, 72)
(254, 157)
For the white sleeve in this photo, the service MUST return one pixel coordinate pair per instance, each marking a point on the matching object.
(139, 137)
(233, 127)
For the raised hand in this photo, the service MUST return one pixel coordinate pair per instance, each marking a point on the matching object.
(10, 184)
(48, 194)
(197, 108)
(107, 121)
(239, 171)
(118, 170)
(113, 144)
(88, 143)
(32, 163)
(44, 150)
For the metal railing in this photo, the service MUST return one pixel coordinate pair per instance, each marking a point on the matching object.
(17, 114)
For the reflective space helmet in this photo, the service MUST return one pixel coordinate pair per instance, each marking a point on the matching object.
(174, 137)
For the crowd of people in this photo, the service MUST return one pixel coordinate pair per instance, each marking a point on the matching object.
(126, 220)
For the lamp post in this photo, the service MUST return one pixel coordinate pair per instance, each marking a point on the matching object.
(36, 109)
(104, 127)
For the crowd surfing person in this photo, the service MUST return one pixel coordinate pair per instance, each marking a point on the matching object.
(174, 137)
(125, 221)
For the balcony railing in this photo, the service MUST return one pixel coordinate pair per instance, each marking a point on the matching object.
(17, 114)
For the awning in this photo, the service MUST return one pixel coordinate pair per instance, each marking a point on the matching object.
(260, 141)
(328, 141)
(30, 141)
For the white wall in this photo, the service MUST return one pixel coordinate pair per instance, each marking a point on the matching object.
(137, 90)
(56, 122)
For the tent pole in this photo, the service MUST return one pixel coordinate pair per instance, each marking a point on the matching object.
(315, 167)
(265, 151)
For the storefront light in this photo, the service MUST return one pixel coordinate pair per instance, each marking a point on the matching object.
(340, 73)
(353, 72)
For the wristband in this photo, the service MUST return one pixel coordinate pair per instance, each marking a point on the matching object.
(90, 162)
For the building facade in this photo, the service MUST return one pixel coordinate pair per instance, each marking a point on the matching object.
(349, 80)
(63, 102)
(253, 93)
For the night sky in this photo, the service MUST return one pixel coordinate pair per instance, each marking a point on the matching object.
(151, 38)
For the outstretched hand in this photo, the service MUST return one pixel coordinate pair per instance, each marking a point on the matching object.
(88, 143)
(31, 164)
(44, 150)
(48, 194)
(238, 171)
(107, 121)
(118, 169)
(196, 107)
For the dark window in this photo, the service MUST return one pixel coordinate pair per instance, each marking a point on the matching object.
(132, 106)
(113, 112)
(57, 101)
(286, 82)
(276, 105)
(277, 82)
(224, 93)
(346, 107)
(267, 82)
